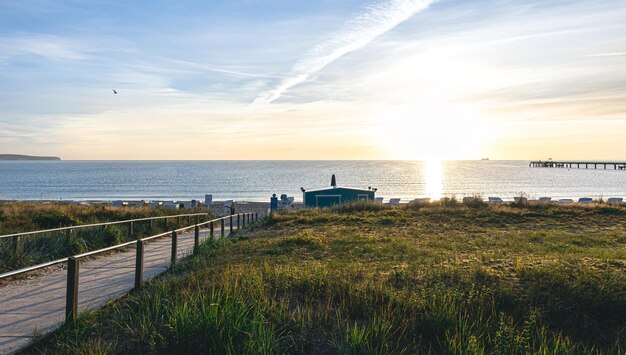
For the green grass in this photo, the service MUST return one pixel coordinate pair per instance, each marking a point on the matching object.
(16, 217)
(450, 279)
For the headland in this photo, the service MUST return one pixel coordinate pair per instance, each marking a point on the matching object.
(14, 157)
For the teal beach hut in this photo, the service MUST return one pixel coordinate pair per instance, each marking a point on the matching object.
(335, 195)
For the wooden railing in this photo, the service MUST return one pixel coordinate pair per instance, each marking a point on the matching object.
(17, 237)
(129, 221)
(243, 220)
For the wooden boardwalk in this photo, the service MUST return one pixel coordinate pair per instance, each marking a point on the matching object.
(38, 304)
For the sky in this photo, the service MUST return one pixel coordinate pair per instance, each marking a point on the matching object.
(318, 79)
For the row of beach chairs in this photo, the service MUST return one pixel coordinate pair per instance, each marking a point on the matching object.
(521, 199)
(392, 201)
(582, 200)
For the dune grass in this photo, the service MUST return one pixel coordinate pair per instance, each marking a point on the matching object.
(359, 279)
(16, 217)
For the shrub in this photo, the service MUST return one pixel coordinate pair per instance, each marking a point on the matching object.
(449, 201)
(359, 206)
(110, 236)
(474, 202)
(54, 219)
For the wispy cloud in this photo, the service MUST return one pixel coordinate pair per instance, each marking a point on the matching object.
(48, 46)
(610, 54)
(371, 23)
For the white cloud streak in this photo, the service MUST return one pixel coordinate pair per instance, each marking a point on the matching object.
(51, 47)
(371, 23)
(610, 54)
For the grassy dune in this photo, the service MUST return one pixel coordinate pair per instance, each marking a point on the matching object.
(16, 217)
(368, 279)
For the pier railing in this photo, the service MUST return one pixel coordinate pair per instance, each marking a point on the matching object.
(238, 221)
(578, 164)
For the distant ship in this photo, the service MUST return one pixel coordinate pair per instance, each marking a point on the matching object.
(484, 158)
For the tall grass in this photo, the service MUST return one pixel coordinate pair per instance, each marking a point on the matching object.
(18, 217)
(435, 280)
(359, 206)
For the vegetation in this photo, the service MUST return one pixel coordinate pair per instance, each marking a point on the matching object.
(16, 217)
(446, 278)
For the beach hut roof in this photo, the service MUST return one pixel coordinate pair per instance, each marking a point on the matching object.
(337, 187)
(333, 185)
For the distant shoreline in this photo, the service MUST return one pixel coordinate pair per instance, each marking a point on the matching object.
(18, 157)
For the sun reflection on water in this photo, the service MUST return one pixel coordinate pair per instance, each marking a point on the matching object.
(433, 177)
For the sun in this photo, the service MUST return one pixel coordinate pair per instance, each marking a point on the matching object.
(430, 131)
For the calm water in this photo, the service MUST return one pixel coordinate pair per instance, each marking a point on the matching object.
(257, 180)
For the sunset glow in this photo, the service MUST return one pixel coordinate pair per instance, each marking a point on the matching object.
(403, 79)
(433, 175)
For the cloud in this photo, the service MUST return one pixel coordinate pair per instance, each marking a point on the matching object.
(44, 45)
(371, 23)
(48, 46)
(610, 54)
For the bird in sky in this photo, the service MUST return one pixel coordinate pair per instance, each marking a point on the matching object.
(114, 92)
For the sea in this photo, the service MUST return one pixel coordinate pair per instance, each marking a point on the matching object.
(256, 181)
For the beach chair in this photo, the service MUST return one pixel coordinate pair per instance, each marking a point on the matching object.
(615, 200)
(566, 201)
(394, 201)
(378, 200)
(136, 203)
(187, 204)
(494, 200)
(117, 203)
(170, 204)
(468, 200)
(585, 200)
(545, 199)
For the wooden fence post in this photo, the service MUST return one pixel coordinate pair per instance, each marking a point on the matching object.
(238, 218)
(211, 229)
(151, 224)
(222, 220)
(256, 216)
(174, 247)
(68, 234)
(231, 224)
(139, 266)
(130, 230)
(244, 220)
(16, 246)
(196, 238)
(71, 297)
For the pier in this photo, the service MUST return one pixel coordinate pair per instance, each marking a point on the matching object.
(605, 165)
